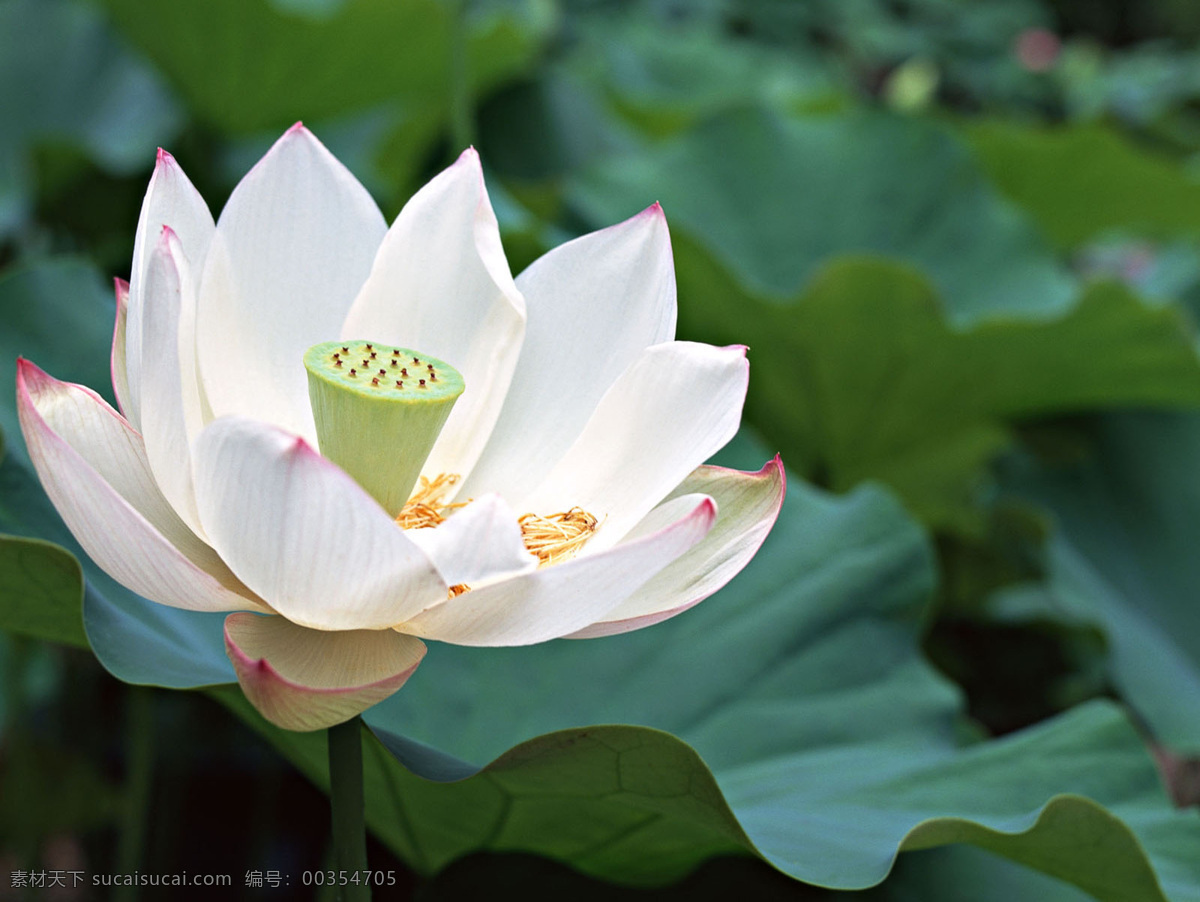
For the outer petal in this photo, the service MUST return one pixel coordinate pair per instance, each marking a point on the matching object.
(562, 599)
(668, 413)
(749, 504)
(120, 378)
(595, 304)
(303, 534)
(170, 200)
(94, 468)
(292, 248)
(480, 542)
(441, 285)
(302, 679)
(171, 407)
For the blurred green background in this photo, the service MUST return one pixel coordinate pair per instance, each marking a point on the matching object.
(961, 237)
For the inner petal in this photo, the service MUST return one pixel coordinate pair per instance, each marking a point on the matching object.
(551, 538)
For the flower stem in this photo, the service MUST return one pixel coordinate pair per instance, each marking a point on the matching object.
(346, 800)
(139, 777)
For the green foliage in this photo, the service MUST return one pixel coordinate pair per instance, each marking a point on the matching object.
(46, 790)
(665, 79)
(863, 370)
(1080, 181)
(59, 313)
(252, 64)
(1124, 560)
(954, 873)
(43, 591)
(65, 77)
(861, 376)
(772, 198)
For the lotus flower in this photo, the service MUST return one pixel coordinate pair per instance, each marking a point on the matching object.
(562, 493)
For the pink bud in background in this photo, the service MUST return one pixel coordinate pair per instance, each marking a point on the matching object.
(1037, 49)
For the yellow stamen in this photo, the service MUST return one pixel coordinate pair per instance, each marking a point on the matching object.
(424, 507)
(551, 539)
(557, 537)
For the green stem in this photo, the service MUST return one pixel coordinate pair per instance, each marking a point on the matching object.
(21, 751)
(462, 127)
(346, 800)
(139, 772)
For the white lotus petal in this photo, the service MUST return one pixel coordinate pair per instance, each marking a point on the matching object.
(120, 378)
(671, 410)
(594, 305)
(441, 285)
(303, 534)
(292, 248)
(171, 410)
(563, 598)
(482, 541)
(747, 504)
(170, 200)
(303, 680)
(94, 468)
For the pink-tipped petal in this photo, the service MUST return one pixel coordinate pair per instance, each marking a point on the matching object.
(563, 598)
(94, 468)
(441, 284)
(292, 248)
(301, 679)
(120, 377)
(595, 304)
(671, 410)
(748, 505)
(303, 534)
(171, 200)
(171, 405)
(481, 542)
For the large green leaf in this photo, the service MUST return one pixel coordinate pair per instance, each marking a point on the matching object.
(955, 873)
(252, 64)
(1125, 560)
(773, 198)
(1081, 180)
(41, 591)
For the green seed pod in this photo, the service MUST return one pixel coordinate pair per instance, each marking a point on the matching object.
(379, 410)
